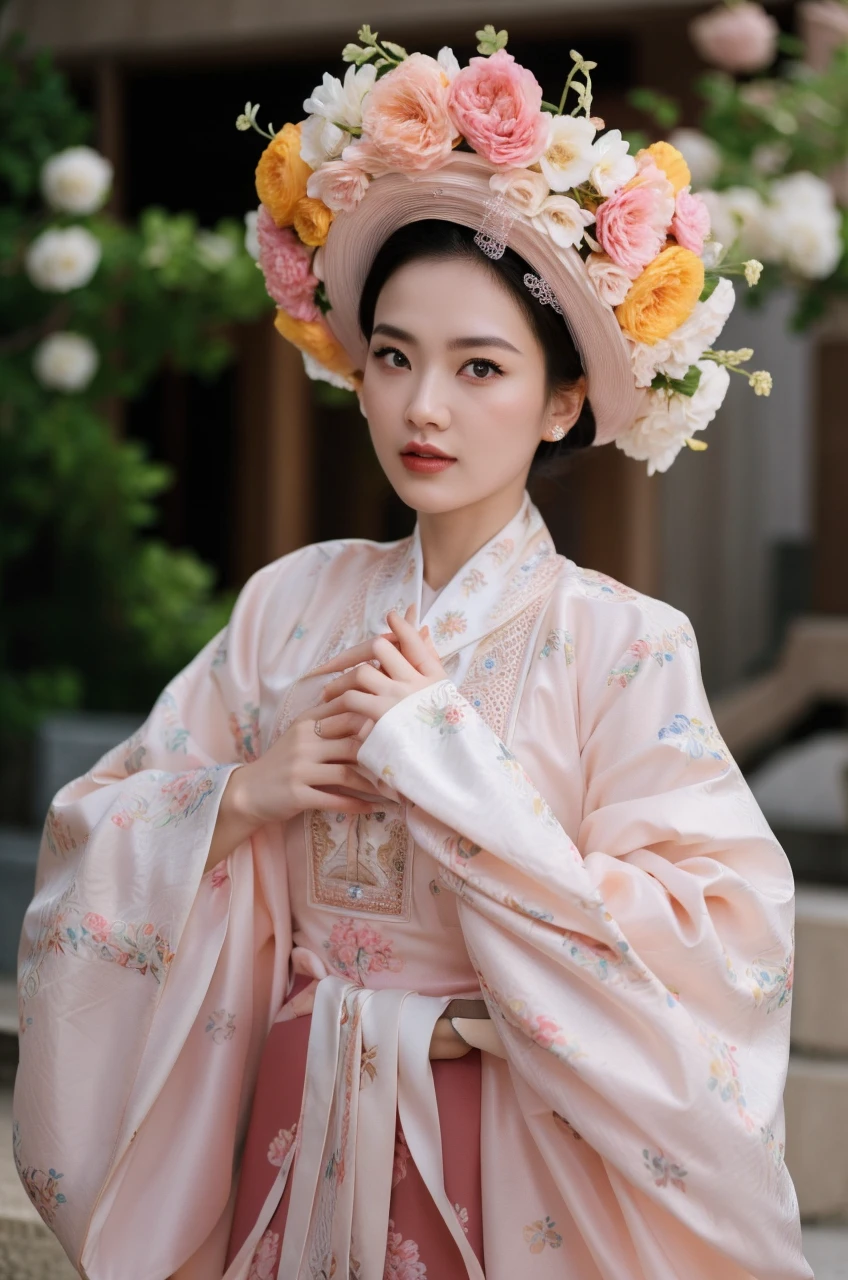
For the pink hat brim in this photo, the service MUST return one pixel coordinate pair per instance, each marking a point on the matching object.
(459, 192)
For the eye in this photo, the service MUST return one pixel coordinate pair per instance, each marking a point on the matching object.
(391, 351)
(482, 368)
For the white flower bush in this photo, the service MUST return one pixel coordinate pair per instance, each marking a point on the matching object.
(76, 180)
(62, 259)
(65, 362)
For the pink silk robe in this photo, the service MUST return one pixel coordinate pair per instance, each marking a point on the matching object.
(564, 831)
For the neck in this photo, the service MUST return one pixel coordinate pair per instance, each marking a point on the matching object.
(450, 538)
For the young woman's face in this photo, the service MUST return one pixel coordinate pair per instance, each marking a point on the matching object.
(454, 363)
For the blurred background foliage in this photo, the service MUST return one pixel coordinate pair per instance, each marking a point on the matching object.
(96, 611)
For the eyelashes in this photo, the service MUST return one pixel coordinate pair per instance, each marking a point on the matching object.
(477, 360)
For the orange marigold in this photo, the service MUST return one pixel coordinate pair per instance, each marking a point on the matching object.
(669, 159)
(663, 296)
(312, 220)
(313, 337)
(281, 175)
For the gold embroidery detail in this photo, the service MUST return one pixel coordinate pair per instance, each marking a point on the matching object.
(360, 862)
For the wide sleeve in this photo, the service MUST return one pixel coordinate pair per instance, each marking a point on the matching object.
(639, 968)
(122, 940)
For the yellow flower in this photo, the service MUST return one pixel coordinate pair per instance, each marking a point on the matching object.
(663, 296)
(313, 337)
(281, 175)
(312, 220)
(669, 159)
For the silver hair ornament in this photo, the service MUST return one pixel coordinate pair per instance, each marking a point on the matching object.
(494, 231)
(543, 292)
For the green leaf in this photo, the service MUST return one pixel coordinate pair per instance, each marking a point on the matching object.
(490, 41)
(710, 286)
(352, 53)
(366, 35)
(663, 109)
(396, 49)
(685, 386)
(321, 299)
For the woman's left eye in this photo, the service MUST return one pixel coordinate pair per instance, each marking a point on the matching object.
(486, 366)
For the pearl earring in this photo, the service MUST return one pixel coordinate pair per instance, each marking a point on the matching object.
(557, 432)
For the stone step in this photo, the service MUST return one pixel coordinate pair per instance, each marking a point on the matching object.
(816, 1101)
(820, 994)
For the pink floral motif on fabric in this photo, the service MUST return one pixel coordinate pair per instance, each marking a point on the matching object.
(402, 1258)
(540, 1233)
(245, 731)
(401, 1157)
(281, 1145)
(356, 951)
(264, 1263)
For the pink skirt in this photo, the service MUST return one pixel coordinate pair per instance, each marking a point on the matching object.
(419, 1243)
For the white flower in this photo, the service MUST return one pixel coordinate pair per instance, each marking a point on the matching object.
(563, 220)
(659, 434)
(251, 239)
(76, 180)
(736, 214)
(65, 361)
(213, 250)
(611, 165)
(611, 282)
(342, 103)
(769, 158)
(446, 59)
(700, 153)
(801, 226)
(713, 253)
(570, 155)
(320, 141)
(524, 188)
(318, 373)
(59, 260)
(676, 354)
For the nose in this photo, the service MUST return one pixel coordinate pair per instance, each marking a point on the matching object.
(427, 406)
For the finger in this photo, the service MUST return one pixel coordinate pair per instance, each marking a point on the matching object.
(392, 662)
(363, 676)
(332, 803)
(412, 645)
(343, 775)
(364, 704)
(410, 614)
(350, 657)
(342, 726)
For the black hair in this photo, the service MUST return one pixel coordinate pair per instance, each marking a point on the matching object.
(432, 238)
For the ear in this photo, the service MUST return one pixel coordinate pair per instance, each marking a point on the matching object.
(564, 408)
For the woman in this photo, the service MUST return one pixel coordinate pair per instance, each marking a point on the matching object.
(447, 800)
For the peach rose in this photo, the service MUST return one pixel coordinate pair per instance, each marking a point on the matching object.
(286, 266)
(739, 38)
(663, 296)
(281, 175)
(632, 225)
(405, 122)
(668, 159)
(339, 185)
(690, 225)
(496, 105)
(523, 188)
(611, 282)
(316, 340)
(312, 220)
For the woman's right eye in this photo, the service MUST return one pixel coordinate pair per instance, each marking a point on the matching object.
(391, 351)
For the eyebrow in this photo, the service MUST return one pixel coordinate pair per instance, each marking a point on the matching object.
(455, 344)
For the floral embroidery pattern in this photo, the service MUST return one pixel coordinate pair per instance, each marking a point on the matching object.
(694, 738)
(462, 1215)
(663, 1170)
(540, 1233)
(357, 952)
(724, 1074)
(659, 648)
(134, 759)
(772, 984)
(541, 1029)
(775, 1149)
(219, 657)
(453, 622)
(472, 582)
(401, 1159)
(220, 875)
(299, 632)
(281, 1145)
(443, 709)
(57, 833)
(402, 1258)
(368, 1065)
(264, 1263)
(174, 734)
(246, 733)
(179, 798)
(221, 1025)
(409, 570)
(600, 586)
(524, 785)
(501, 551)
(41, 1187)
(597, 956)
(557, 640)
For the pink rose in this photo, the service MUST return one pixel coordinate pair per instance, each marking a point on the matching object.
(524, 188)
(737, 38)
(340, 185)
(690, 225)
(286, 266)
(95, 923)
(632, 225)
(496, 105)
(611, 282)
(405, 122)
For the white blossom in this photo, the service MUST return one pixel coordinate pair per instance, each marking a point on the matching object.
(563, 220)
(801, 226)
(214, 250)
(335, 111)
(669, 420)
(76, 180)
(611, 165)
(321, 140)
(676, 354)
(60, 260)
(701, 154)
(447, 60)
(251, 238)
(65, 361)
(737, 217)
(570, 154)
(611, 282)
(318, 373)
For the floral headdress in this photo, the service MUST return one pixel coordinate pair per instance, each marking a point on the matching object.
(627, 228)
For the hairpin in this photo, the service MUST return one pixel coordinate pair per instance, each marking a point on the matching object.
(543, 292)
(493, 235)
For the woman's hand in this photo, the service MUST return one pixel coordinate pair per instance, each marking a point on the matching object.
(408, 663)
